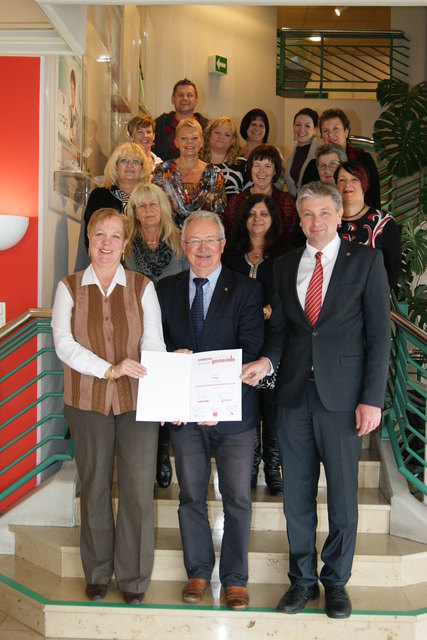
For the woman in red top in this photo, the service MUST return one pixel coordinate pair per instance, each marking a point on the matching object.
(264, 166)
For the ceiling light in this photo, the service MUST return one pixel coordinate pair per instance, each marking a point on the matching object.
(340, 10)
(315, 38)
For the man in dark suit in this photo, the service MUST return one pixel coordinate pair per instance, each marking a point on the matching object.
(330, 330)
(231, 317)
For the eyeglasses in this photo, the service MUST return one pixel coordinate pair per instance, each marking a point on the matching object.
(332, 164)
(126, 161)
(197, 242)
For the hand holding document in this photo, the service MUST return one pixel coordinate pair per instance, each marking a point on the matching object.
(201, 387)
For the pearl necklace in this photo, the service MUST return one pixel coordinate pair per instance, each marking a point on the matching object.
(354, 215)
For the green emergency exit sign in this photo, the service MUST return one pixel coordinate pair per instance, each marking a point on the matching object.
(218, 65)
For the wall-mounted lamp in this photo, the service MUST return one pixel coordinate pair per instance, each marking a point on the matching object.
(12, 230)
(339, 10)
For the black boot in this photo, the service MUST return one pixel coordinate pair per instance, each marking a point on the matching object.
(257, 458)
(270, 447)
(164, 467)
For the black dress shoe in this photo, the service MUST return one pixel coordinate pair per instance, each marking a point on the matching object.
(296, 598)
(338, 604)
(164, 469)
(96, 591)
(274, 482)
(133, 598)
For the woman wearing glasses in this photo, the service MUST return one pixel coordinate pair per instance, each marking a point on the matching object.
(126, 167)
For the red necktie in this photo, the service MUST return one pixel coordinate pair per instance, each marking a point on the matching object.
(313, 298)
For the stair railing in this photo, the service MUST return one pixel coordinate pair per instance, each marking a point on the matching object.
(34, 437)
(404, 417)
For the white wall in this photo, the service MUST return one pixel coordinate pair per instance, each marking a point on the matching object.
(413, 22)
(178, 41)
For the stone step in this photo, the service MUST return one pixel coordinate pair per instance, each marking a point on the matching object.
(369, 472)
(56, 607)
(380, 559)
(267, 510)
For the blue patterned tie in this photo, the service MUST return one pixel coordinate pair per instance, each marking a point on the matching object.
(197, 316)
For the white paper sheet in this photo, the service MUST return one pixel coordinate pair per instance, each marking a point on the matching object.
(200, 387)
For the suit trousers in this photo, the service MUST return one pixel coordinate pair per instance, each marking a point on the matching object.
(193, 446)
(128, 547)
(307, 436)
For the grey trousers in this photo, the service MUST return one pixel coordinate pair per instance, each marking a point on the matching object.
(193, 446)
(127, 548)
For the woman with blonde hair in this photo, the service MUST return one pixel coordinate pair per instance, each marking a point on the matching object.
(142, 131)
(126, 167)
(154, 238)
(190, 183)
(156, 252)
(221, 148)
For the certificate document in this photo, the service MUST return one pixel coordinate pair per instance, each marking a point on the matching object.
(201, 387)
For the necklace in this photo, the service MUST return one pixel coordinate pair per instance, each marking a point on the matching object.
(152, 241)
(354, 215)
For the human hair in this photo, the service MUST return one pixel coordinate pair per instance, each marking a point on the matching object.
(169, 232)
(334, 113)
(310, 113)
(140, 122)
(104, 214)
(331, 147)
(203, 215)
(252, 115)
(357, 170)
(319, 189)
(273, 238)
(185, 82)
(124, 150)
(233, 152)
(189, 122)
(73, 78)
(265, 152)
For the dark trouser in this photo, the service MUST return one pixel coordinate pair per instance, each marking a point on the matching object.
(128, 548)
(307, 436)
(193, 446)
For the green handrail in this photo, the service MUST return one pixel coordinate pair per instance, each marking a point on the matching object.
(404, 417)
(50, 428)
(338, 61)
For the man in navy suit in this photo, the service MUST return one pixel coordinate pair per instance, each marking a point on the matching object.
(330, 388)
(229, 316)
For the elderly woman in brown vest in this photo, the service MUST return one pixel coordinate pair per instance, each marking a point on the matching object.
(102, 319)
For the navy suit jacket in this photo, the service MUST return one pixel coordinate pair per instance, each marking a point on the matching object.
(234, 321)
(349, 347)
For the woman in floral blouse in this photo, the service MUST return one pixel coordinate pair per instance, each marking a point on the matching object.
(190, 183)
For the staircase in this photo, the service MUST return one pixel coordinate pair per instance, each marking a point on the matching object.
(42, 585)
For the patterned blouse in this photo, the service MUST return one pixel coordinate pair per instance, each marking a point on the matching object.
(208, 194)
(377, 229)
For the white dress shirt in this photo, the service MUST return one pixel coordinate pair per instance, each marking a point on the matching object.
(83, 360)
(308, 262)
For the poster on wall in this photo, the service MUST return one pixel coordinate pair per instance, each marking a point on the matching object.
(69, 114)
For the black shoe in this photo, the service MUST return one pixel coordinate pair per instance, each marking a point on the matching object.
(133, 598)
(338, 604)
(164, 469)
(296, 598)
(96, 591)
(274, 481)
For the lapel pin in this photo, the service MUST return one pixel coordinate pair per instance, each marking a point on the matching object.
(225, 288)
(348, 253)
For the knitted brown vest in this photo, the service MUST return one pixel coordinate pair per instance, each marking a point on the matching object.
(111, 327)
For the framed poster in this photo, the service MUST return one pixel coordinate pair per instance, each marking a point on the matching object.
(69, 114)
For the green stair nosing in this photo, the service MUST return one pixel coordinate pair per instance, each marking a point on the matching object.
(30, 593)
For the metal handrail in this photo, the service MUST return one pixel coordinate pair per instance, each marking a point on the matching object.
(339, 61)
(404, 417)
(31, 448)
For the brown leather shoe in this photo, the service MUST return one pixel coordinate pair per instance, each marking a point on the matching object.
(133, 598)
(237, 598)
(96, 591)
(194, 590)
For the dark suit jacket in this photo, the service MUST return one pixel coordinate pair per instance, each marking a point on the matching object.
(349, 347)
(234, 321)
